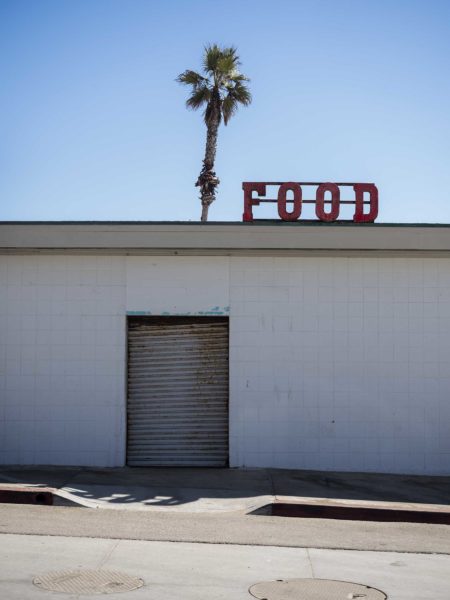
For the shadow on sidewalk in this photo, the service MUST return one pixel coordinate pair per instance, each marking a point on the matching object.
(224, 489)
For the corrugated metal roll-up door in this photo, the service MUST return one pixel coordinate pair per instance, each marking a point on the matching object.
(177, 391)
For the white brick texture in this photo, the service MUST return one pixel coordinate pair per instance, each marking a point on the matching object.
(335, 363)
(62, 357)
(341, 364)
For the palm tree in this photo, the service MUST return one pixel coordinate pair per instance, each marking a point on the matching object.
(220, 90)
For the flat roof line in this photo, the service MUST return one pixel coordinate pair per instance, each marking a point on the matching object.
(256, 223)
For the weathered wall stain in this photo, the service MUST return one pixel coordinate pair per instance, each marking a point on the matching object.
(210, 312)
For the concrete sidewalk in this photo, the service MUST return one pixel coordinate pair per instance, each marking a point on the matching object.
(171, 571)
(220, 490)
(186, 532)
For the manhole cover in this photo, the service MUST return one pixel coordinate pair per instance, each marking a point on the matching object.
(87, 582)
(314, 589)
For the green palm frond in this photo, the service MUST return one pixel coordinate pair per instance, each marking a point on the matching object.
(231, 51)
(238, 77)
(226, 66)
(200, 95)
(242, 94)
(229, 108)
(222, 87)
(191, 78)
(210, 58)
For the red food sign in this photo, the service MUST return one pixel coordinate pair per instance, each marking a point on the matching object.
(327, 201)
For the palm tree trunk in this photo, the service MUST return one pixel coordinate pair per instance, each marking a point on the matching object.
(205, 209)
(207, 180)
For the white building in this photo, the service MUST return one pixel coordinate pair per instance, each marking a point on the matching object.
(338, 345)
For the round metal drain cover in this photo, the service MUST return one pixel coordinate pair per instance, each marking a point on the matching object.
(87, 582)
(314, 589)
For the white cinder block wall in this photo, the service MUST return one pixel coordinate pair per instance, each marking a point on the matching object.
(63, 346)
(335, 363)
(341, 364)
(62, 356)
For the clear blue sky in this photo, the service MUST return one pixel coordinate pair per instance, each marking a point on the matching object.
(93, 125)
